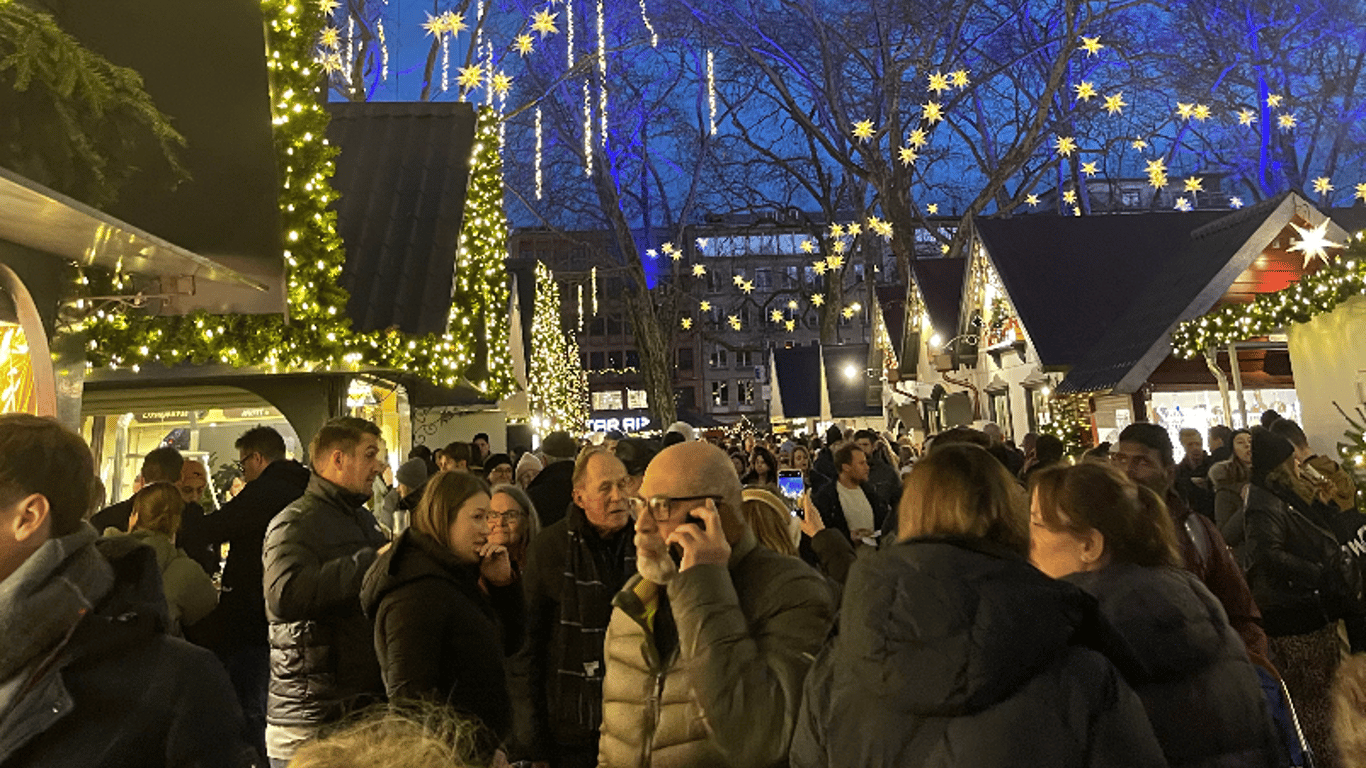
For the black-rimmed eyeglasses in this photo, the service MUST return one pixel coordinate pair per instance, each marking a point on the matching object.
(662, 508)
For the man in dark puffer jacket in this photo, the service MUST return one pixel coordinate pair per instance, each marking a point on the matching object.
(316, 553)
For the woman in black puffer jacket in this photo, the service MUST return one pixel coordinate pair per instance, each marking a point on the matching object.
(438, 636)
(1095, 528)
(1289, 551)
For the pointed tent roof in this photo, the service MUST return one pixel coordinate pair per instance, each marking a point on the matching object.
(941, 287)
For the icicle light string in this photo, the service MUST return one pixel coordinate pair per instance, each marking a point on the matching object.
(645, 17)
(602, 77)
(383, 51)
(587, 130)
(569, 34)
(540, 189)
(711, 89)
(445, 64)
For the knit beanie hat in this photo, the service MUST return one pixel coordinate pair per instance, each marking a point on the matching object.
(412, 473)
(1269, 450)
(559, 445)
(528, 461)
(683, 428)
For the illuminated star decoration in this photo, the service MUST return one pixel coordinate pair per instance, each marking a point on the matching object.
(1193, 184)
(1201, 112)
(1314, 242)
(1070, 196)
(776, 315)
(853, 230)
(652, 253)
(939, 83)
(838, 246)
(792, 304)
(883, 228)
(687, 323)
(500, 83)
(328, 6)
(834, 262)
(1090, 169)
(1091, 45)
(435, 25)
(1115, 104)
(1157, 173)
(917, 138)
(818, 299)
(808, 246)
(747, 286)
(848, 312)
(523, 44)
(543, 22)
(907, 155)
(1184, 111)
(1361, 192)
(1235, 203)
(739, 280)
(332, 63)
(837, 230)
(1182, 204)
(698, 270)
(959, 78)
(863, 129)
(676, 255)
(454, 24)
(933, 112)
(734, 321)
(702, 242)
(1323, 185)
(1076, 211)
(1246, 116)
(1139, 144)
(704, 306)
(819, 267)
(1085, 91)
(1032, 200)
(471, 76)
(932, 209)
(330, 38)
(1274, 100)
(1066, 145)
(790, 325)
(944, 249)
(1287, 121)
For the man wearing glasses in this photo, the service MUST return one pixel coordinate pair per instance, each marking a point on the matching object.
(1145, 454)
(708, 646)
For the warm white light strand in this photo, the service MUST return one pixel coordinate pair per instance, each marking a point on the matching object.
(593, 275)
(579, 289)
(539, 184)
(350, 47)
(383, 52)
(569, 33)
(602, 77)
(445, 64)
(645, 17)
(711, 89)
(587, 131)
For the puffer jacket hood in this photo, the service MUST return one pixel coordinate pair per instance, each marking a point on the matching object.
(413, 557)
(1183, 629)
(941, 647)
(137, 582)
(160, 544)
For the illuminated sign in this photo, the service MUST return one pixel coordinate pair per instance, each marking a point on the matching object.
(625, 424)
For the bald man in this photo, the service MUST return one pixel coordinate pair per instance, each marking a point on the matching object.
(708, 646)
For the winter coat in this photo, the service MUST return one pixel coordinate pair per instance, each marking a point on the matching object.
(571, 576)
(437, 635)
(241, 616)
(827, 501)
(1202, 695)
(190, 594)
(190, 537)
(1227, 482)
(552, 492)
(322, 648)
(114, 690)
(957, 652)
(1286, 563)
(726, 693)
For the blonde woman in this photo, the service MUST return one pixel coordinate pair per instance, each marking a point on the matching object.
(154, 521)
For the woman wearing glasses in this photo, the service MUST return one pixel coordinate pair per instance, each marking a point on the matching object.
(513, 522)
(438, 635)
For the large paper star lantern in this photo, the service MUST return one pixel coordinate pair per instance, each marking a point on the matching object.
(907, 155)
(819, 267)
(790, 325)
(698, 270)
(1274, 100)
(687, 323)
(1090, 169)
(328, 6)
(1323, 185)
(330, 38)
(863, 130)
(917, 138)
(500, 83)
(435, 25)
(1065, 145)
(1182, 204)
(939, 82)
(1115, 104)
(818, 299)
(1032, 200)
(959, 78)
(776, 315)
(1201, 112)
(1193, 184)
(704, 305)
(932, 209)
(808, 246)
(1235, 202)
(1286, 121)
(1069, 196)
(1314, 242)
(1091, 45)
(544, 22)
(932, 112)
(1085, 91)
(734, 321)
(471, 76)
(1361, 192)
(854, 229)
(1246, 116)
(523, 44)
(1184, 110)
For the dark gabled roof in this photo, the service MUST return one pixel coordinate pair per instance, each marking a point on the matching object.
(941, 286)
(848, 396)
(402, 174)
(1071, 278)
(798, 371)
(891, 301)
(1169, 296)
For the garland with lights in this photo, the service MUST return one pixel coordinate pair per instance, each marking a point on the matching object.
(556, 384)
(1070, 422)
(1312, 295)
(1352, 451)
(317, 334)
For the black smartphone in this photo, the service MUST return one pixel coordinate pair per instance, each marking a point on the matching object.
(791, 484)
(675, 550)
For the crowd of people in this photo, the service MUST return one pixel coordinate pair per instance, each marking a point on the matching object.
(765, 600)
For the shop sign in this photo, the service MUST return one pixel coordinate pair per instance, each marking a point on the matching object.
(619, 423)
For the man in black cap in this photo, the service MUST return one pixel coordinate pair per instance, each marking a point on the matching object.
(553, 489)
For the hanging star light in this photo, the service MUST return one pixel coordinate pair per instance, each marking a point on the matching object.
(863, 130)
(1069, 196)
(834, 262)
(734, 321)
(932, 112)
(848, 313)
(792, 304)
(747, 287)
(523, 44)
(1235, 202)
(1184, 110)
(819, 267)
(1182, 204)
(1076, 211)
(739, 280)
(1201, 112)
(790, 325)
(698, 270)
(838, 246)
(687, 323)
(776, 315)
(944, 249)
(1090, 169)
(676, 255)
(917, 138)
(543, 21)
(328, 6)
(1065, 145)
(1286, 121)
(818, 299)
(1193, 184)
(330, 38)
(1085, 91)
(959, 78)
(652, 253)
(470, 77)
(500, 83)
(1314, 242)
(939, 82)
(435, 25)
(1139, 144)
(455, 24)
(1323, 185)
(932, 209)
(1115, 104)
(854, 229)
(667, 248)
(1361, 192)
(1246, 116)
(704, 306)
(1091, 45)
(332, 63)
(837, 230)
(1032, 200)
(1274, 100)
(808, 246)
(702, 243)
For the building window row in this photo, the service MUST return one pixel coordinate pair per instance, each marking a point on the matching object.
(617, 400)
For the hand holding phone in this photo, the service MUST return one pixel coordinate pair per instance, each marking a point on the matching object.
(791, 483)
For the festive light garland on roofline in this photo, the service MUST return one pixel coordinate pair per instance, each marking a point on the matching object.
(318, 335)
(1312, 295)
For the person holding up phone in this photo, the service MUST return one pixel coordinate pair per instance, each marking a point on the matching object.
(728, 624)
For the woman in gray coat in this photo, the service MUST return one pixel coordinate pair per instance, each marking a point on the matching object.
(1093, 527)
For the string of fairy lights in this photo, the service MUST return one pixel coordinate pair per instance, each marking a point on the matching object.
(557, 385)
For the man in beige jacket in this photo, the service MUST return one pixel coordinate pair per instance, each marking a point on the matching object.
(708, 647)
